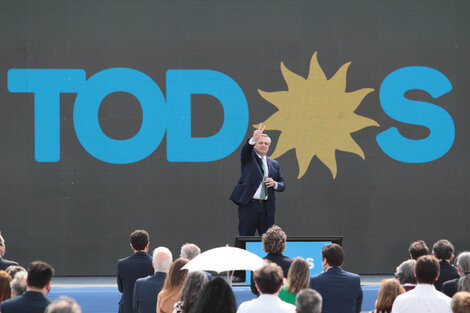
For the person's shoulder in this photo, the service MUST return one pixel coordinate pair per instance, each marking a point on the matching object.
(352, 275)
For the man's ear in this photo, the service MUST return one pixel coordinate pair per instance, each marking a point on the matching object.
(132, 247)
(437, 277)
(257, 288)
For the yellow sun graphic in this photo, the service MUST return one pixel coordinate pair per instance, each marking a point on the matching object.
(316, 116)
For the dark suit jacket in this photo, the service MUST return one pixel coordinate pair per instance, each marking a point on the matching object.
(146, 291)
(450, 287)
(252, 175)
(341, 290)
(128, 270)
(29, 302)
(447, 272)
(5, 263)
(283, 261)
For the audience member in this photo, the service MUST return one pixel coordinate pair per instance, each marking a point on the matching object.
(308, 301)
(417, 249)
(146, 289)
(12, 270)
(297, 279)
(5, 289)
(216, 297)
(38, 286)
(171, 291)
(341, 291)
(4, 264)
(268, 281)
(389, 290)
(443, 250)
(190, 251)
(274, 243)
(133, 267)
(462, 283)
(189, 294)
(405, 274)
(18, 284)
(63, 305)
(425, 297)
(461, 302)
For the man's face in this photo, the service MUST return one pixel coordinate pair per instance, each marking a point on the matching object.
(2, 246)
(262, 146)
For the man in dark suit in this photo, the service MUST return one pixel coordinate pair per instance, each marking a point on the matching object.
(38, 285)
(443, 250)
(254, 192)
(341, 291)
(451, 287)
(146, 289)
(4, 263)
(134, 266)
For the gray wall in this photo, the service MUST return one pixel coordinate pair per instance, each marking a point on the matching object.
(77, 213)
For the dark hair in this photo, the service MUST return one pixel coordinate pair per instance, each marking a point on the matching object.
(389, 290)
(175, 278)
(139, 239)
(192, 289)
(5, 290)
(269, 278)
(216, 297)
(333, 254)
(427, 269)
(298, 275)
(443, 249)
(417, 249)
(461, 302)
(274, 240)
(308, 301)
(39, 274)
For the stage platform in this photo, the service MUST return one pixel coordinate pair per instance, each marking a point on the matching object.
(100, 294)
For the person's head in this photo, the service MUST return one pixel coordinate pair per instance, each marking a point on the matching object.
(461, 302)
(176, 276)
(39, 276)
(162, 259)
(139, 240)
(18, 284)
(332, 255)
(427, 269)
(274, 240)
(189, 251)
(389, 290)
(463, 264)
(443, 250)
(308, 301)
(298, 275)
(405, 272)
(192, 287)
(2, 245)
(63, 305)
(417, 249)
(5, 289)
(12, 270)
(269, 278)
(262, 145)
(217, 296)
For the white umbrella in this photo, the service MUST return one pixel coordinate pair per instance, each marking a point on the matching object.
(225, 259)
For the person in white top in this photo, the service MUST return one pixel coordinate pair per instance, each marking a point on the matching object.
(268, 280)
(424, 298)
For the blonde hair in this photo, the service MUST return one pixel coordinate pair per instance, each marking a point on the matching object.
(298, 275)
(461, 302)
(388, 292)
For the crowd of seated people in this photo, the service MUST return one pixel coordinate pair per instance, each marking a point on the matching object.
(427, 282)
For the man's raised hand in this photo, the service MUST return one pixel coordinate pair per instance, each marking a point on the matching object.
(258, 132)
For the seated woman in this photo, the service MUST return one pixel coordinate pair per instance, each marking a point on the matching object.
(191, 289)
(5, 290)
(171, 290)
(389, 290)
(297, 279)
(406, 274)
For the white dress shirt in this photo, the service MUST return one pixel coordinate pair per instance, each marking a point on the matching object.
(266, 303)
(423, 299)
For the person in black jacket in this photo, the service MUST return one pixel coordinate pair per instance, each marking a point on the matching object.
(4, 263)
(443, 250)
(462, 283)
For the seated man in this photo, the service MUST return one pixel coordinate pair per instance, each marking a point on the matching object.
(443, 250)
(4, 264)
(424, 298)
(38, 285)
(308, 301)
(341, 291)
(268, 280)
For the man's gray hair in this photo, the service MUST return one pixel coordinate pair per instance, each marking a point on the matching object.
(63, 305)
(18, 284)
(190, 251)
(405, 272)
(269, 138)
(162, 259)
(308, 301)
(463, 262)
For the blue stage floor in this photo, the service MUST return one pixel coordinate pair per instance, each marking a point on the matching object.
(100, 294)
